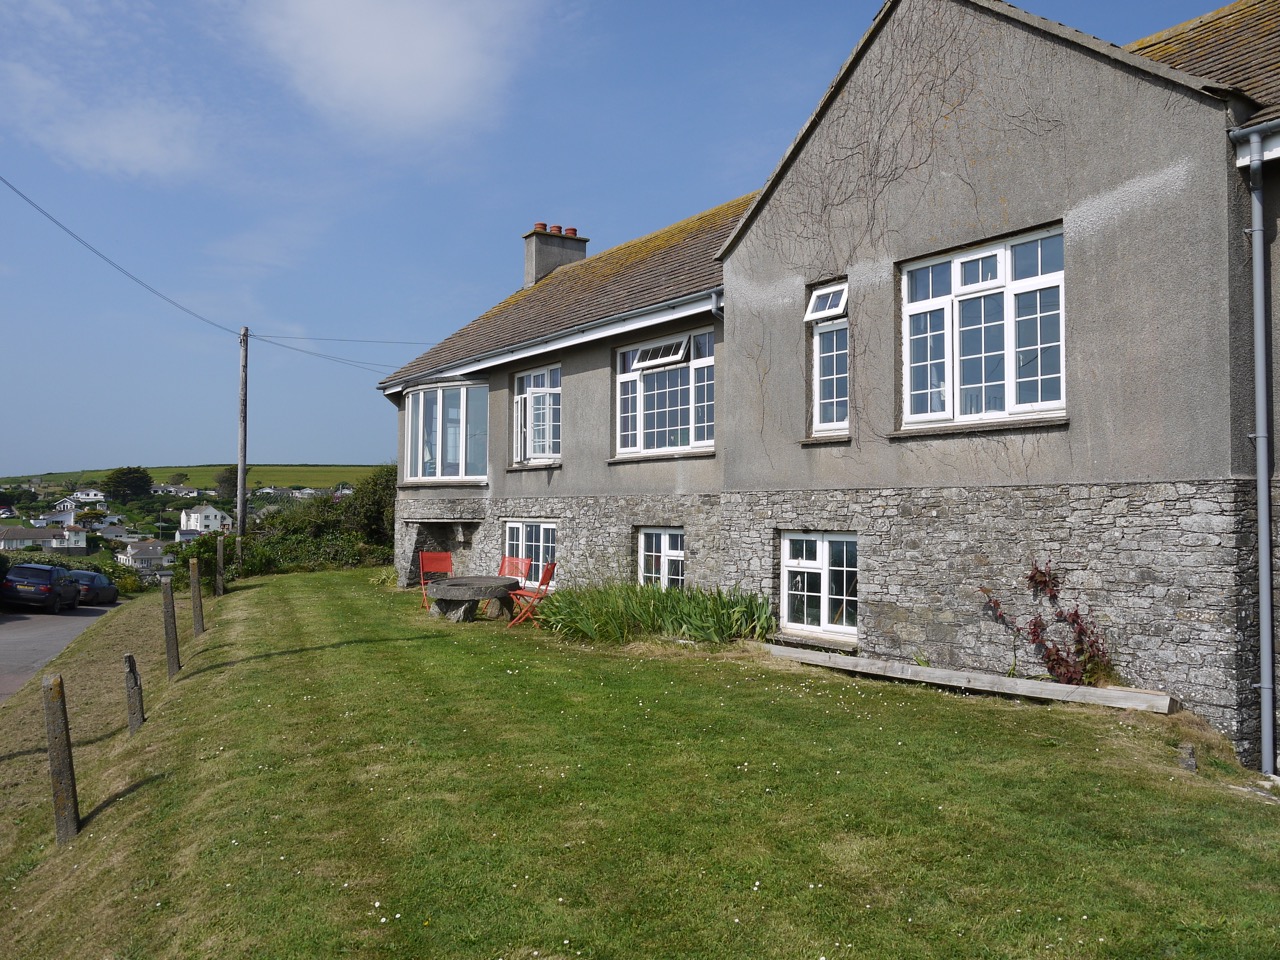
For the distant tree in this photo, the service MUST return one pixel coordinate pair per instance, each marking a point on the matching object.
(124, 484)
(87, 518)
(177, 479)
(225, 480)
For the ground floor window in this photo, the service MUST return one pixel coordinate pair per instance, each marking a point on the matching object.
(820, 581)
(662, 556)
(534, 539)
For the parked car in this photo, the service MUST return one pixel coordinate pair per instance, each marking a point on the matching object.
(40, 585)
(95, 587)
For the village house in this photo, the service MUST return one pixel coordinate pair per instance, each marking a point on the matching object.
(996, 307)
(203, 519)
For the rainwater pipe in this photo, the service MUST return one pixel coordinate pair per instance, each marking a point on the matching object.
(1262, 436)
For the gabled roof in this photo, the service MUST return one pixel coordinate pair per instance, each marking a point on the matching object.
(675, 262)
(998, 8)
(1238, 45)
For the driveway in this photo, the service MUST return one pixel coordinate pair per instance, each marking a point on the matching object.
(31, 638)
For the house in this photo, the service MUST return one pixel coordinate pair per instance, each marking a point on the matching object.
(90, 496)
(996, 306)
(204, 519)
(66, 505)
(144, 555)
(70, 540)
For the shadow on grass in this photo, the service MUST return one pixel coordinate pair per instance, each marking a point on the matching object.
(116, 797)
(294, 651)
(32, 751)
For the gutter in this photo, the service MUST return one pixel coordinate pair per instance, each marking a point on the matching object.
(1261, 435)
(707, 301)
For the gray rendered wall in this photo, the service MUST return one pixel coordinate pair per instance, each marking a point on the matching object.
(957, 127)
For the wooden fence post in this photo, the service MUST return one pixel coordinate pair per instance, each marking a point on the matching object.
(219, 585)
(197, 602)
(66, 805)
(133, 694)
(170, 627)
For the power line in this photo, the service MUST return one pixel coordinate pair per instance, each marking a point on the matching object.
(362, 365)
(407, 343)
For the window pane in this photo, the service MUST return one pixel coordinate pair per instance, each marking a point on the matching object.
(1051, 254)
(430, 434)
(1026, 260)
(477, 450)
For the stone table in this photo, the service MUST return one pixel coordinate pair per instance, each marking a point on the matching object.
(458, 598)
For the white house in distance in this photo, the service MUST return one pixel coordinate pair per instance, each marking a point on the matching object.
(203, 519)
(90, 496)
(69, 539)
(144, 555)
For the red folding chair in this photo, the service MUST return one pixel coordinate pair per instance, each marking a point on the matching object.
(517, 567)
(526, 601)
(432, 562)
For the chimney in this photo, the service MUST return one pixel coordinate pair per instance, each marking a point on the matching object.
(547, 248)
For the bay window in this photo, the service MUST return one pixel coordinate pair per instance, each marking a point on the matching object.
(447, 433)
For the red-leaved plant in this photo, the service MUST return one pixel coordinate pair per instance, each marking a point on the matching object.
(1084, 660)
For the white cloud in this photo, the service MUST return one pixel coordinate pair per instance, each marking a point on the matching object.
(73, 84)
(396, 69)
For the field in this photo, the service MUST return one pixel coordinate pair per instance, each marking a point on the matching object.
(201, 475)
(334, 774)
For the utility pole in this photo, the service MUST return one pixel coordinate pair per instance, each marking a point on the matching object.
(241, 469)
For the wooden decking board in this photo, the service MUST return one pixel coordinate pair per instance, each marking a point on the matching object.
(1123, 698)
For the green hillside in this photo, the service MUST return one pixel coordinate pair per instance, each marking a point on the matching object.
(201, 475)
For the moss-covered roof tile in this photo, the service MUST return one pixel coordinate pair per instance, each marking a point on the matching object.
(676, 261)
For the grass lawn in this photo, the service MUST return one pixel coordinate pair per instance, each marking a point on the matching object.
(333, 774)
(201, 475)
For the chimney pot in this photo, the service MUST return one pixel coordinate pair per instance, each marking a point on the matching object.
(555, 228)
(570, 231)
(540, 226)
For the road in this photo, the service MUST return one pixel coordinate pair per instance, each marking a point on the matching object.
(30, 638)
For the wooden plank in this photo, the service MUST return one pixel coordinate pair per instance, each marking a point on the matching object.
(1123, 698)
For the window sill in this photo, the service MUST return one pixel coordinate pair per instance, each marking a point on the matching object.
(1056, 422)
(442, 482)
(650, 457)
(827, 440)
(533, 467)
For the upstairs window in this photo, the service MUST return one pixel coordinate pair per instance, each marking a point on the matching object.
(447, 433)
(535, 419)
(982, 332)
(666, 395)
(827, 316)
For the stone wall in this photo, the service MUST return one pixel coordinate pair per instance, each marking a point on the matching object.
(1166, 569)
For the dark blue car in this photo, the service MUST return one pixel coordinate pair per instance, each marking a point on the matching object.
(40, 585)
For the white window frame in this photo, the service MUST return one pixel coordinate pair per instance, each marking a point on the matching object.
(532, 539)
(809, 579)
(638, 389)
(431, 437)
(535, 417)
(828, 319)
(661, 556)
(934, 336)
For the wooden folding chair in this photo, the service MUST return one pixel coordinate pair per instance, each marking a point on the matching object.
(526, 601)
(432, 562)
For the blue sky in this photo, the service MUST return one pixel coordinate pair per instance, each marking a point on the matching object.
(334, 170)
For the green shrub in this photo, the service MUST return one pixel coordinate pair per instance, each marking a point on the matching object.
(621, 612)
